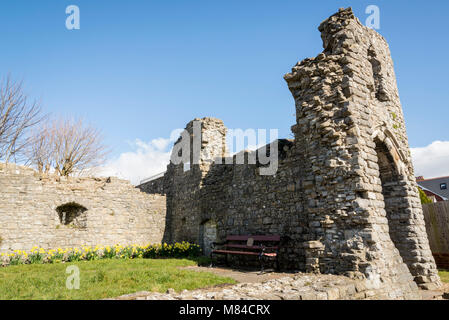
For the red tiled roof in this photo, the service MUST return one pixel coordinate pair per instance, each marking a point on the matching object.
(430, 178)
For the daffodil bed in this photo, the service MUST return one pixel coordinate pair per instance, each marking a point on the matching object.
(102, 278)
(39, 255)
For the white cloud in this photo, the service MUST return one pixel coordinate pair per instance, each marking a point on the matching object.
(146, 160)
(432, 161)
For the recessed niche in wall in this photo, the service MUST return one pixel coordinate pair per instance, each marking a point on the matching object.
(72, 214)
(208, 235)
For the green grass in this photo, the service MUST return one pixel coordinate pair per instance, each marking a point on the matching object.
(102, 279)
(444, 275)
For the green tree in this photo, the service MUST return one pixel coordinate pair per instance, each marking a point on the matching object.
(424, 197)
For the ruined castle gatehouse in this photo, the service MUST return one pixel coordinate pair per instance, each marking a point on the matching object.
(345, 183)
(343, 196)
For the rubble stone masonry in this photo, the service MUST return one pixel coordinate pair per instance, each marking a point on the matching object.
(344, 198)
(52, 212)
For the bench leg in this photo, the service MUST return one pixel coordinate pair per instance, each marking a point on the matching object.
(261, 264)
(211, 260)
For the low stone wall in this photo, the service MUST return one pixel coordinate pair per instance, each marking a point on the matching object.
(51, 212)
(153, 186)
(298, 287)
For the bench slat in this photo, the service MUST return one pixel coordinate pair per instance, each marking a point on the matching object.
(274, 238)
(237, 252)
(270, 254)
(244, 246)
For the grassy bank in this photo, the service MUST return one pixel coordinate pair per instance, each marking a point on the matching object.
(102, 278)
(444, 275)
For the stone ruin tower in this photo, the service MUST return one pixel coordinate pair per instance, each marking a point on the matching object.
(344, 196)
(363, 206)
(184, 186)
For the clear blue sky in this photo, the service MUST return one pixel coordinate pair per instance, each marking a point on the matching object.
(138, 69)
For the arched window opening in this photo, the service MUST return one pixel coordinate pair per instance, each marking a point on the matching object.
(395, 198)
(72, 214)
(381, 93)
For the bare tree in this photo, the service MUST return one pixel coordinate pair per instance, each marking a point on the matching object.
(17, 117)
(67, 146)
(41, 149)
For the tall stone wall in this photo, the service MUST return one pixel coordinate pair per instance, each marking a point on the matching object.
(184, 188)
(344, 198)
(238, 200)
(52, 212)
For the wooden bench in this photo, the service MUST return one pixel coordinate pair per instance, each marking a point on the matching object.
(260, 246)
